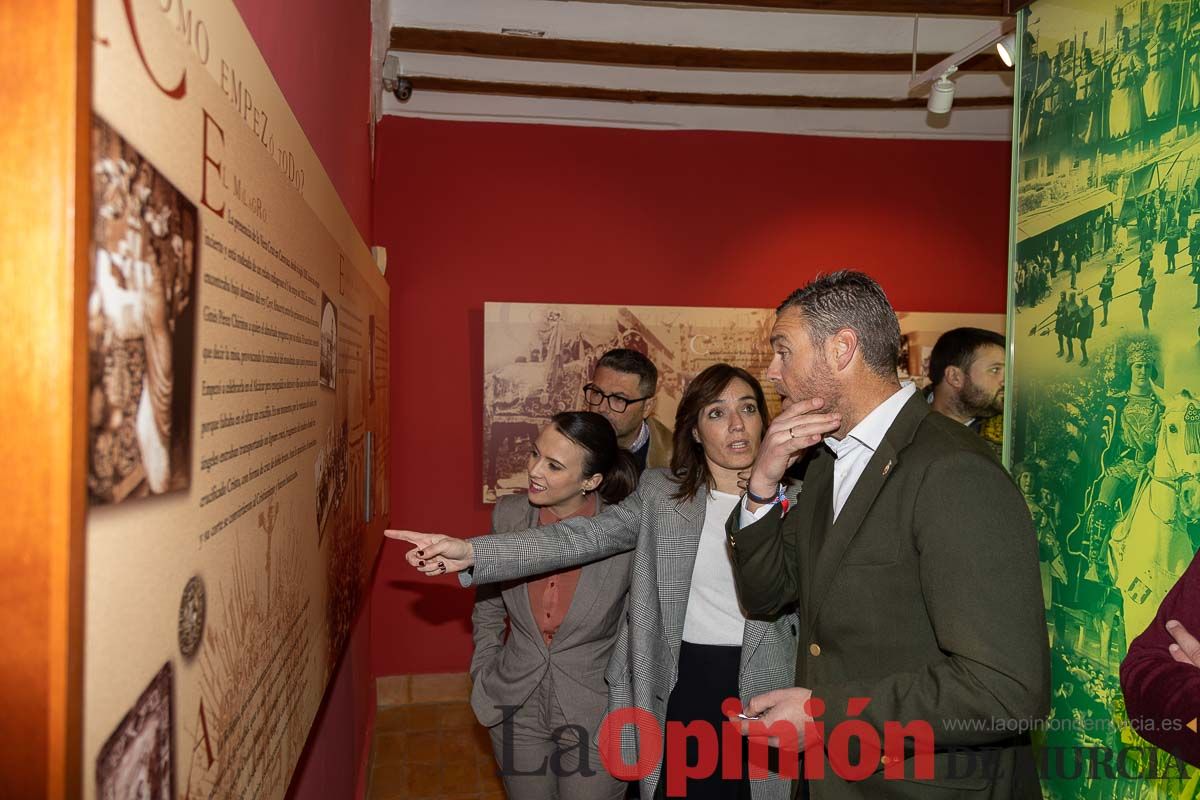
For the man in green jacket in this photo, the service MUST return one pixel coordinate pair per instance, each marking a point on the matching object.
(912, 560)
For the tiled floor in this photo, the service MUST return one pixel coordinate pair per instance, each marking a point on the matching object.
(433, 748)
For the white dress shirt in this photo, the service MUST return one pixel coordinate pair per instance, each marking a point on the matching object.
(852, 452)
(642, 438)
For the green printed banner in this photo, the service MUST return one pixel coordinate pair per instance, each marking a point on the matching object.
(1105, 430)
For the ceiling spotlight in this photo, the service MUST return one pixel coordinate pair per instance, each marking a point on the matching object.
(937, 77)
(941, 94)
(1007, 48)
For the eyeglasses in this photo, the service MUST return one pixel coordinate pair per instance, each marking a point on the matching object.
(594, 397)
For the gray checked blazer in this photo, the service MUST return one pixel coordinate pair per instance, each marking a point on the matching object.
(504, 673)
(664, 535)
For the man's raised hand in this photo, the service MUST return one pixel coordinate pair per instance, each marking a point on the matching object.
(797, 428)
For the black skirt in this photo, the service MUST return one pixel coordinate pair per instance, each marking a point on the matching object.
(708, 675)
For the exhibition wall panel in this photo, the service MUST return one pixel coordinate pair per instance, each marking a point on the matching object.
(48, 180)
(236, 418)
(1104, 425)
(323, 94)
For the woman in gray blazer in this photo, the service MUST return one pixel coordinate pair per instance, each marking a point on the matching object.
(684, 645)
(548, 674)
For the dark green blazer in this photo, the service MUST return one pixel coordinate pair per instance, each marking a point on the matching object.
(923, 597)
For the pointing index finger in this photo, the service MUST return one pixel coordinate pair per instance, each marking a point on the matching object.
(414, 537)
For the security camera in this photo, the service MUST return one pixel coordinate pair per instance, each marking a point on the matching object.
(394, 81)
(403, 90)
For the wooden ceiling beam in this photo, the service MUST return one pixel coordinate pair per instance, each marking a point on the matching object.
(498, 45)
(428, 83)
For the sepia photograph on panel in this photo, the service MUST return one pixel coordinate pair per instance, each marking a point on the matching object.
(141, 326)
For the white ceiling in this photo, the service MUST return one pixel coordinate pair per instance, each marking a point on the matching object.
(702, 27)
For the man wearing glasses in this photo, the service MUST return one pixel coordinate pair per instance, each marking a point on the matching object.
(622, 391)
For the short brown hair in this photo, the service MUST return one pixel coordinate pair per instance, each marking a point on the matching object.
(854, 300)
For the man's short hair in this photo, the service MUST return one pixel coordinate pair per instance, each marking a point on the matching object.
(958, 348)
(848, 299)
(631, 362)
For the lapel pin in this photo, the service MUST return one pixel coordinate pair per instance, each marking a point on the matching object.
(887, 468)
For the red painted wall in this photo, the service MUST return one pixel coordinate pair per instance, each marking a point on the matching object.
(472, 212)
(319, 53)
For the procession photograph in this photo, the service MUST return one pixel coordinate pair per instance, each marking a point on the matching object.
(1106, 340)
